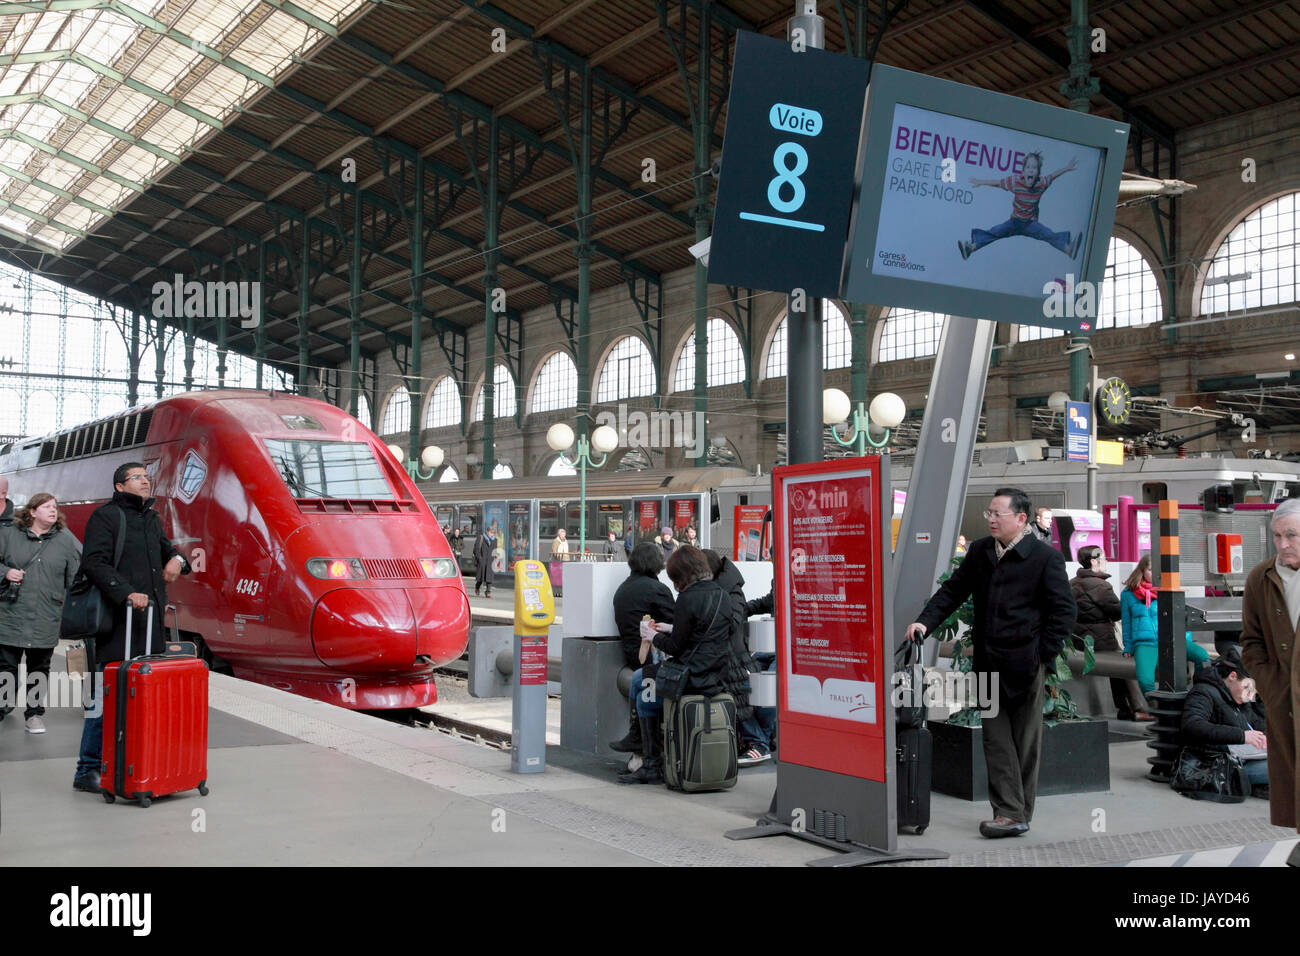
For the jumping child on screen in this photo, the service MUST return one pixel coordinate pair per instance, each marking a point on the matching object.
(1027, 188)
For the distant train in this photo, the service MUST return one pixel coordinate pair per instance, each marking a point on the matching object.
(318, 567)
(528, 511)
(1059, 484)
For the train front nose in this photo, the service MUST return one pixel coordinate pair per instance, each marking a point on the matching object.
(389, 630)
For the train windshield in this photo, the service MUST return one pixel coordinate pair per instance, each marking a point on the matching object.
(328, 469)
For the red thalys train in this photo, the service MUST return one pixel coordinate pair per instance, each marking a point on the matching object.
(318, 567)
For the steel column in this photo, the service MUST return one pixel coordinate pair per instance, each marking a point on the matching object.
(133, 360)
(354, 307)
(1079, 86)
(415, 362)
(491, 258)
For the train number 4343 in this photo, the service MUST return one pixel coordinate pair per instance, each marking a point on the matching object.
(249, 586)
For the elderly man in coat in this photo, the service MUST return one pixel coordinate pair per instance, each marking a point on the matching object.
(1024, 613)
(1270, 649)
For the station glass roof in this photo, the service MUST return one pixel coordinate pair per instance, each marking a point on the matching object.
(101, 98)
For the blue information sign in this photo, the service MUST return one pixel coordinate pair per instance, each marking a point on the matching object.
(1078, 431)
(788, 163)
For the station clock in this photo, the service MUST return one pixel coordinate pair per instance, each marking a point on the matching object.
(1114, 401)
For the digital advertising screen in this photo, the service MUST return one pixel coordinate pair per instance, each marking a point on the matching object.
(1007, 212)
(1008, 220)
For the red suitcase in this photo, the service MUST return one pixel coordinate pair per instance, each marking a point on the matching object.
(155, 724)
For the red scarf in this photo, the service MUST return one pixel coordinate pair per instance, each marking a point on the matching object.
(1145, 591)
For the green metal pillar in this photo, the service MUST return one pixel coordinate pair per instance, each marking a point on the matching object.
(703, 215)
(160, 356)
(223, 332)
(491, 258)
(861, 360)
(133, 360)
(584, 176)
(188, 338)
(259, 334)
(304, 309)
(1079, 87)
(415, 364)
(354, 307)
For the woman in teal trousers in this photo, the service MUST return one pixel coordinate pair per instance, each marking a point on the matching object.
(1139, 620)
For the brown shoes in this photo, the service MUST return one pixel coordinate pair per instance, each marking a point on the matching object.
(1002, 827)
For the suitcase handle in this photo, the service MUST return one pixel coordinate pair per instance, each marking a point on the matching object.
(148, 633)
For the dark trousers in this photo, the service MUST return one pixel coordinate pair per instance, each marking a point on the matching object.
(38, 662)
(1013, 743)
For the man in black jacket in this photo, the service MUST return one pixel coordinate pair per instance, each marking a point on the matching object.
(1024, 612)
(149, 562)
(1223, 709)
(484, 551)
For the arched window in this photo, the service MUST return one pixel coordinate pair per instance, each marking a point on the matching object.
(559, 468)
(837, 343)
(628, 372)
(77, 409)
(1129, 296)
(502, 470)
(449, 473)
(443, 407)
(504, 398)
(556, 385)
(726, 359)
(11, 413)
(909, 334)
(42, 413)
(363, 412)
(397, 413)
(1264, 250)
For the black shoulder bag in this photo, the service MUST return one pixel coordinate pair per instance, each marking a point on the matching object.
(1213, 775)
(85, 613)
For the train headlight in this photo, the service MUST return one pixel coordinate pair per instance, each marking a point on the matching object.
(336, 569)
(439, 567)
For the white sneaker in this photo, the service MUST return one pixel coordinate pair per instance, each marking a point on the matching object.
(35, 725)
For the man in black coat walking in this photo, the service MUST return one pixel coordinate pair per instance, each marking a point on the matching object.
(483, 553)
(1024, 613)
(149, 562)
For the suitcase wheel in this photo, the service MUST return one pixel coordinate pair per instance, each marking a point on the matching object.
(920, 830)
(108, 797)
(203, 789)
(145, 801)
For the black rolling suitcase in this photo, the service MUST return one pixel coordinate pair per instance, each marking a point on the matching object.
(914, 747)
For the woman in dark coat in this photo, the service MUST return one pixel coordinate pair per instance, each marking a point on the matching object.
(38, 561)
(700, 637)
(1099, 610)
(641, 594)
(483, 551)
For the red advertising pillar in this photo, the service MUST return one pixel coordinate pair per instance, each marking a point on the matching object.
(834, 651)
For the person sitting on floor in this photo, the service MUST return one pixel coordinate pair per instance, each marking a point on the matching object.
(1222, 709)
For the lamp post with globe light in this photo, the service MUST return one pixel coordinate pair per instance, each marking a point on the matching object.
(887, 411)
(431, 458)
(604, 440)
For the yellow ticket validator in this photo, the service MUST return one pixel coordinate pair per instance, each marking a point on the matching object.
(534, 602)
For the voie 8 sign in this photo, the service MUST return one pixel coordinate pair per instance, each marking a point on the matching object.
(788, 161)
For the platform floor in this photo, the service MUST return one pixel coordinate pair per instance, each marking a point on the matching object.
(295, 781)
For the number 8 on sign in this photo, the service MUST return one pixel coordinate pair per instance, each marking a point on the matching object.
(787, 179)
(787, 175)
